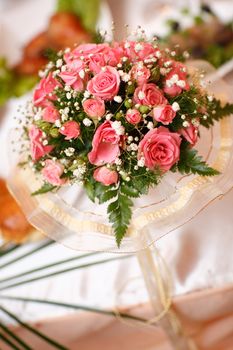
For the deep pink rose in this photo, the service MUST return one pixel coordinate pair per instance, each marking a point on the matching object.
(75, 74)
(114, 54)
(133, 116)
(140, 73)
(160, 148)
(176, 80)
(50, 114)
(105, 176)
(105, 84)
(44, 92)
(94, 107)
(190, 134)
(52, 172)
(164, 114)
(149, 95)
(38, 150)
(86, 50)
(70, 129)
(105, 145)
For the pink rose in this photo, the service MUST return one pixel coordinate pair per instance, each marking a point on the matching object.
(138, 50)
(176, 80)
(94, 107)
(133, 116)
(50, 114)
(86, 50)
(105, 176)
(96, 62)
(105, 84)
(70, 129)
(164, 114)
(114, 54)
(38, 150)
(105, 145)
(140, 73)
(74, 76)
(149, 95)
(190, 134)
(160, 148)
(52, 172)
(45, 91)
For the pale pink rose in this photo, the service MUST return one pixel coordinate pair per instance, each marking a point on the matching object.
(44, 92)
(52, 172)
(70, 129)
(190, 134)
(164, 114)
(105, 145)
(50, 114)
(105, 84)
(160, 148)
(149, 95)
(133, 116)
(96, 62)
(38, 150)
(94, 107)
(178, 71)
(114, 54)
(140, 73)
(75, 74)
(105, 176)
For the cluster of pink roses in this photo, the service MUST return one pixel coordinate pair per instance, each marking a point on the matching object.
(93, 76)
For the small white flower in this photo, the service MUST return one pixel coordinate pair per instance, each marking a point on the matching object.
(132, 147)
(59, 63)
(205, 117)
(58, 123)
(67, 88)
(69, 151)
(82, 73)
(87, 122)
(118, 161)
(181, 83)
(138, 47)
(86, 94)
(120, 130)
(45, 142)
(150, 125)
(210, 98)
(186, 124)
(183, 117)
(68, 95)
(141, 162)
(124, 59)
(125, 77)
(175, 106)
(117, 99)
(141, 95)
(108, 116)
(127, 45)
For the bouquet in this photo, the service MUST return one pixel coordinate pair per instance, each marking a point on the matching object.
(115, 118)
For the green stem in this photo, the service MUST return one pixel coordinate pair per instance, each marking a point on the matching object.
(74, 306)
(63, 271)
(15, 337)
(34, 250)
(44, 267)
(8, 342)
(33, 330)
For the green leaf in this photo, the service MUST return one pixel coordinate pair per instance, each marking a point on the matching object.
(129, 190)
(107, 195)
(90, 190)
(217, 112)
(120, 213)
(190, 162)
(44, 189)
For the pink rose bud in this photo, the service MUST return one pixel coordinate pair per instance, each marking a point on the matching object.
(105, 176)
(94, 108)
(149, 95)
(190, 134)
(52, 172)
(133, 116)
(70, 129)
(105, 84)
(164, 114)
(38, 150)
(50, 114)
(160, 148)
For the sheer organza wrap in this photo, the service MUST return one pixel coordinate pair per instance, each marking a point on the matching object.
(69, 217)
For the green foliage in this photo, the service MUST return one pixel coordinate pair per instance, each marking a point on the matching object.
(217, 112)
(190, 162)
(46, 187)
(87, 10)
